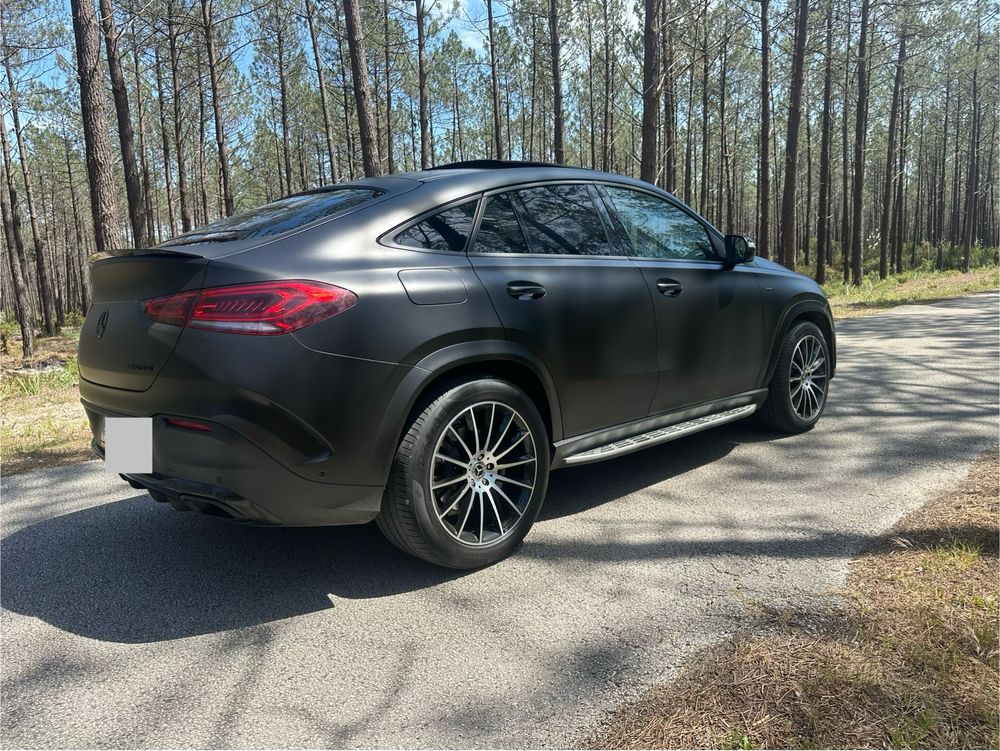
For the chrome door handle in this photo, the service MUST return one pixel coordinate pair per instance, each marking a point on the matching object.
(525, 290)
(669, 287)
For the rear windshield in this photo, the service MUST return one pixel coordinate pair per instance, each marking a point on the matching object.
(280, 216)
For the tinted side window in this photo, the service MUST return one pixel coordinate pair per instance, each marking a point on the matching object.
(499, 230)
(280, 216)
(563, 219)
(446, 230)
(657, 229)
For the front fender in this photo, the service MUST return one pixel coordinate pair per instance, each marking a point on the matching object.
(814, 308)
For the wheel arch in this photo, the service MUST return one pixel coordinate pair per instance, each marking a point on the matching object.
(498, 359)
(814, 310)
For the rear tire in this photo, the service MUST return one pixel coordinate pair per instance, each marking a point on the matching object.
(469, 476)
(798, 389)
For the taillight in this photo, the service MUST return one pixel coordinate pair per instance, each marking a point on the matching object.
(263, 308)
(176, 422)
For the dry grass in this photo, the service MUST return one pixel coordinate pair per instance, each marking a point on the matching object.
(42, 423)
(874, 295)
(909, 662)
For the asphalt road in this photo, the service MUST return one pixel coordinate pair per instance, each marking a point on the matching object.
(125, 623)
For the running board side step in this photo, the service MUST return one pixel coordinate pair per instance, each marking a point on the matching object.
(660, 435)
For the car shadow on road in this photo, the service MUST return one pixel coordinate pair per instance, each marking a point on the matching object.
(135, 571)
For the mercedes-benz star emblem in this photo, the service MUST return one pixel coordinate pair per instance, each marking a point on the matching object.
(102, 324)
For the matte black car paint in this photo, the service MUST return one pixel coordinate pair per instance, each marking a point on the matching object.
(305, 425)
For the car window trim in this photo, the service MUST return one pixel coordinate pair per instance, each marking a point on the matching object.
(713, 234)
(388, 239)
(527, 240)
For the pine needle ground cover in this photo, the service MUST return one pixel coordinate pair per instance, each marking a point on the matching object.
(42, 423)
(909, 660)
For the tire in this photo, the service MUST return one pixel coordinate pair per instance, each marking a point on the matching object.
(457, 495)
(796, 398)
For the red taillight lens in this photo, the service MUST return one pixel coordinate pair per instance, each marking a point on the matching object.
(173, 309)
(263, 308)
(175, 422)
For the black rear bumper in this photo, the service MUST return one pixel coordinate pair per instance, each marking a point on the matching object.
(221, 473)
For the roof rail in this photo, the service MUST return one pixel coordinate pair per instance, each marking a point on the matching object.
(495, 164)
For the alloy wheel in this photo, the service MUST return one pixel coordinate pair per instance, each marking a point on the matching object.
(808, 378)
(483, 473)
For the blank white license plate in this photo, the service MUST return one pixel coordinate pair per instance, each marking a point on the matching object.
(128, 445)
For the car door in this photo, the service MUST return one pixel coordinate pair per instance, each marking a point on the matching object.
(570, 296)
(709, 317)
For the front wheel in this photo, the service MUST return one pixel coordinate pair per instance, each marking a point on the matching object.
(798, 389)
(469, 476)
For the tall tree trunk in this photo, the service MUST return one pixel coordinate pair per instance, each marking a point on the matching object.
(362, 91)
(103, 202)
(495, 86)
(972, 181)
(126, 136)
(220, 127)
(425, 132)
(845, 206)
(650, 90)
(788, 196)
(173, 37)
(888, 189)
(389, 148)
(558, 147)
(669, 110)
(165, 146)
(860, 137)
(81, 259)
(900, 217)
(23, 307)
(286, 149)
(45, 290)
(703, 177)
(824, 216)
(940, 190)
(764, 179)
(147, 200)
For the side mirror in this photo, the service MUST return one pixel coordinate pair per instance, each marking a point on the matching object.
(739, 249)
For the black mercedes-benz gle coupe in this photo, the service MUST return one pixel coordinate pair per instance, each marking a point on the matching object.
(423, 349)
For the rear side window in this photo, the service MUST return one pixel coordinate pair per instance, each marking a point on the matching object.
(280, 216)
(499, 230)
(446, 230)
(658, 229)
(562, 219)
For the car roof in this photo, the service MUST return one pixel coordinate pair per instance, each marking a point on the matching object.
(488, 174)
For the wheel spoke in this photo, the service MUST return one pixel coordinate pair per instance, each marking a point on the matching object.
(512, 504)
(511, 447)
(489, 427)
(482, 517)
(454, 503)
(446, 483)
(515, 464)
(475, 430)
(495, 512)
(456, 462)
(455, 433)
(472, 501)
(502, 478)
(503, 434)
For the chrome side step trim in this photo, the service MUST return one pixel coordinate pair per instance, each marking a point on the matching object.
(660, 435)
